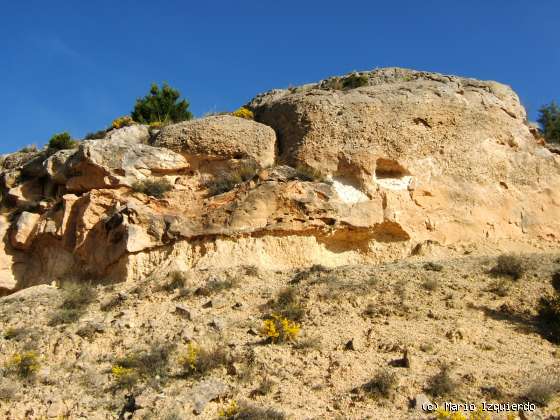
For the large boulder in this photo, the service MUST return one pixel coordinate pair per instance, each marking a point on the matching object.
(110, 164)
(220, 137)
(136, 133)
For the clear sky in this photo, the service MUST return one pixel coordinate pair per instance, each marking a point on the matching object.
(76, 65)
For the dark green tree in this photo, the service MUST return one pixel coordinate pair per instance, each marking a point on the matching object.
(549, 118)
(161, 106)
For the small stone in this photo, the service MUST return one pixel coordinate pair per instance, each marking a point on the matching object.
(56, 409)
(252, 331)
(208, 304)
(183, 311)
(349, 345)
(217, 324)
(206, 391)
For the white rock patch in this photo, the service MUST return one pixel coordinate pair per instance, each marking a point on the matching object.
(401, 183)
(348, 193)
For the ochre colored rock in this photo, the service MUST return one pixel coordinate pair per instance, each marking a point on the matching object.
(220, 137)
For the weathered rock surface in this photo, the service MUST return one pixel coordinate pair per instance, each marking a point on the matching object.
(22, 233)
(109, 164)
(412, 164)
(220, 137)
(453, 158)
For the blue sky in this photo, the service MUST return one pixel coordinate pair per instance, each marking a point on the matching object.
(69, 65)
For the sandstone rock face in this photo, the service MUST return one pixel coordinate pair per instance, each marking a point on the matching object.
(22, 234)
(220, 137)
(453, 157)
(411, 164)
(136, 133)
(109, 164)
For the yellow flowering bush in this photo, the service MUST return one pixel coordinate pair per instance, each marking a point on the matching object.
(231, 410)
(279, 329)
(24, 364)
(243, 113)
(122, 122)
(201, 360)
(188, 360)
(124, 377)
(478, 414)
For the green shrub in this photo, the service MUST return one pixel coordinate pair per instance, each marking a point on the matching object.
(227, 181)
(153, 187)
(549, 118)
(61, 141)
(161, 105)
(355, 80)
(351, 81)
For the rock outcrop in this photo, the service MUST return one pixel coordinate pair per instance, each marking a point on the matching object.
(400, 163)
(221, 137)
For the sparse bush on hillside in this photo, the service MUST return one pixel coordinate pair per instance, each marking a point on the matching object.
(200, 360)
(96, 135)
(215, 285)
(549, 315)
(543, 390)
(153, 187)
(289, 305)
(243, 112)
(352, 81)
(309, 174)
(175, 280)
(441, 384)
(142, 364)
(227, 181)
(32, 148)
(77, 297)
(549, 118)
(161, 105)
(61, 141)
(382, 384)
(244, 411)
(121, 122)
(355, 80)
(23, 364)
(509, 265)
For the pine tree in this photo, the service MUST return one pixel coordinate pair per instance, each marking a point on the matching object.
(549, 118)
(161, 106)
